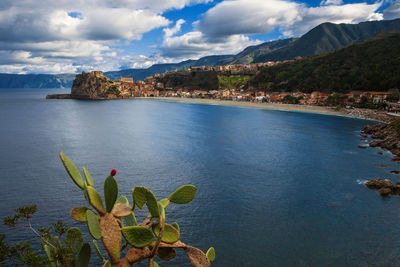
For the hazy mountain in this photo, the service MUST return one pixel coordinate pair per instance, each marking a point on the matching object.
(36, 80)
(324, 38)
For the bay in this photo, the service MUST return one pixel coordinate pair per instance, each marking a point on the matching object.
(274, 188)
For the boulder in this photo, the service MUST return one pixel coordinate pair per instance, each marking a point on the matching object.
(376, 183)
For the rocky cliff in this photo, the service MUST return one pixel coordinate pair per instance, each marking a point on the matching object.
(91, 85)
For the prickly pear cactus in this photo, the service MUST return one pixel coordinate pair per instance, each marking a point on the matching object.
(153, 237)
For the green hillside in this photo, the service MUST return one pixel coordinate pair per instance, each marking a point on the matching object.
(370, 66)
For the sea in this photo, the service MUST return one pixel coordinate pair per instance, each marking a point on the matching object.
(275, 188)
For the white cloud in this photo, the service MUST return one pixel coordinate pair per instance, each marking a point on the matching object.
(48, 35)
(393, 11)
(248, 17)
(196, 44)
(259, 16)
(226, 27)
(331, 2)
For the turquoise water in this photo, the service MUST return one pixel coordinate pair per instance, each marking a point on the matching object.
(274, 188)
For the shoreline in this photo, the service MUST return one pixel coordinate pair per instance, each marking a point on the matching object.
(356, 113)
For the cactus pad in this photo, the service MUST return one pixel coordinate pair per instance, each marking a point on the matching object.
(123, 200)
(176, 226)
(121, 210)
(98, 252)
(111, 236)
(95, 200)
(197, 257)
(72, 170)
(166, 253)
(88, 177)
(183, 194)
(138, 236)
(93, 224)
(211, 254)
(74, 239)
(143, 195)
(139, 196)
(79, 214)
(170, 234)
(164, 202)
(110, 192)
(84, 256)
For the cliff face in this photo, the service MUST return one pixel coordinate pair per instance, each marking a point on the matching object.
(90, 85)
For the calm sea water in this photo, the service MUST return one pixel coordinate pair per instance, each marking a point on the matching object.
(274, 188)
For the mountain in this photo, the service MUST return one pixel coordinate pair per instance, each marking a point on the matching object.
(329, 37)
(326, 37)
(370, 66)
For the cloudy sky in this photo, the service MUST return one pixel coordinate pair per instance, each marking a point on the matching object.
(69, 36)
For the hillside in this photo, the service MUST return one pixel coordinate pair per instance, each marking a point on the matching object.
(370, 66)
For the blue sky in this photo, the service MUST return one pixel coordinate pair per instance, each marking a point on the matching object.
(67, 36)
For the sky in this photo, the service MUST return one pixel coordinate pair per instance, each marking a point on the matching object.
(71, 36)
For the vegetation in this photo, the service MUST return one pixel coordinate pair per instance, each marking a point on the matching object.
(62, 246)
(113, 90)
(232, 81)
(204, 80)
(111, 222)
(336, 100)
(289, 99)
(371, 66)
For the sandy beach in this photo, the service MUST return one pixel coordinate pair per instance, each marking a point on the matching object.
(352, 113)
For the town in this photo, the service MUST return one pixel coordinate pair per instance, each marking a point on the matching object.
(154, 87)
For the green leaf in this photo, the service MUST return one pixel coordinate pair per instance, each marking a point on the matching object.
(110, 192)
(183, 194)
(176, 226)
(93, 224)
(84, 256)
(170, 234)
(155, 264)
(98, 252)
(95, 199)
(88, 177)
(138, 236)
(79, 214)
(72, 170)
(74, 239)
(211, 254)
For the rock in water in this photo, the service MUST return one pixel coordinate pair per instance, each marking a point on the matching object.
(385, 192)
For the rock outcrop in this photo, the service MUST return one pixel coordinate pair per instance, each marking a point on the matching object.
(386, 136)
(91, 85)
(95, 85)
(385, 187)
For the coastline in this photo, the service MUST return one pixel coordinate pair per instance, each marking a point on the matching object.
(358, 113)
